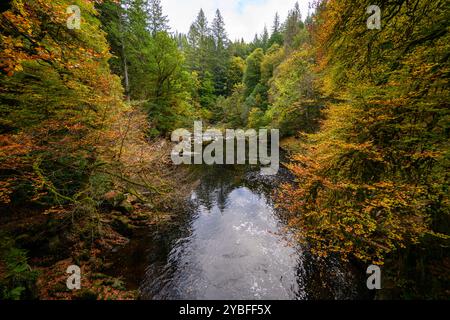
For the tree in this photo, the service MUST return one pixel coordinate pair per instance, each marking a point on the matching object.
(256, 43)
(157, 21)
(239, 49)
(273, 58)
(233, 108)
(235, 72)
(277, 36)
(265, 39)
(292, 26)
(219, 33)
(294, 106)
(113, 16)
(168, 103)
(200, 45)
(252, 75)
(58, 97)
(136, 39)
(206, 91)
(154, 68)
(373, 182)
(220, 56)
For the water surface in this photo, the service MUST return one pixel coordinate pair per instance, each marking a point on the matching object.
(234, 244)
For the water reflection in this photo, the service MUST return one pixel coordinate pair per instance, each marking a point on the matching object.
(236, 246)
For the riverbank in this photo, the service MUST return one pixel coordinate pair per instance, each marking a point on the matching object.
(55, 240)
(133, 187)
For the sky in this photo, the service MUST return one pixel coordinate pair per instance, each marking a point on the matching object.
(243, 18)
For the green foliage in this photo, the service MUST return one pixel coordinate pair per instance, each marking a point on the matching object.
(220, 55)
(258, 98)
(277, 36)
(252, 75)
(233, 108)
(295, 106)
(206, 91)
(152, 66)
(168, 102)
(292, 27)
(18, 280)
(235, 72)
(158, 22)
(239, 49)
(200, 46)
(273, 58)
(257, 119)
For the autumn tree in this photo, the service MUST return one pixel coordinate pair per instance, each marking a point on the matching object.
(373, 181)
(57, 99)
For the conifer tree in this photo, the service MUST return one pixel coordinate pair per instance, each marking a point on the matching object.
(292, 26)
(220, 55)
(265, 38)
(157, 21)
(277, 36)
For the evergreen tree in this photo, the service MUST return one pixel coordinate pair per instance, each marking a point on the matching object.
(157, 21)
(200, 53)
(277, 36)
(239, 49)
(265, 39)
(219, 33)
(256, 43)
(235, 73)
(112, 16)
(220, 55)
(151, 64)
(292, 26)
(276, 24)
(200, 45)
(252, 74)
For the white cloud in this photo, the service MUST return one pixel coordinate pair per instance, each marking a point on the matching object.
(243, 18)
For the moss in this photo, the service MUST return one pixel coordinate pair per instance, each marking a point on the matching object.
(122, 226)
(125, 207)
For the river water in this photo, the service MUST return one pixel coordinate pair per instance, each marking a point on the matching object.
(233, 244)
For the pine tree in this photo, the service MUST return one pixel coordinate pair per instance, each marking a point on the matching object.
(220, 56)
(276, 24)
(200, 40)
(153, 69)
(276, 37)
(218, 32)
(252, 74)
(292, 26)
(199, 32)
(157, 21)
(200, 55)
(256, 43)
(265, 38)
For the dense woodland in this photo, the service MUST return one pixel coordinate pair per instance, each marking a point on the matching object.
(364, 115)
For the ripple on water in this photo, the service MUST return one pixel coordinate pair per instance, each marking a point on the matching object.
(236, 247)
(232, 252)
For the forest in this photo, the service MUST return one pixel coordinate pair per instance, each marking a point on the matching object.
(87, 114)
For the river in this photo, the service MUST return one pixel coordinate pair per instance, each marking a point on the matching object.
(233, 244)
